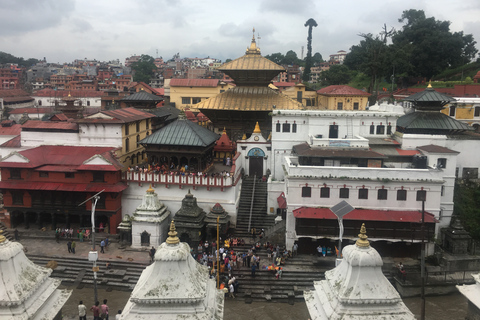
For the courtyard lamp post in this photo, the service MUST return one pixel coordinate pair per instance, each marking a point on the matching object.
(340, 210)
(93, 255)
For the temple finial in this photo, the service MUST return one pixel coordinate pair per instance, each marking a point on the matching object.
(2, 237)
(257, 128)
(362, 241)
(172, 235)
(429, 84)
(150, 190)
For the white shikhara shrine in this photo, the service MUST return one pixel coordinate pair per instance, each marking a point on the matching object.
(26, 290)
(175, 286)
(356, 289)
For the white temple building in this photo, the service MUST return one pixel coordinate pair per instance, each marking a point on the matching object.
(356, 289)
(26, 290)
(175, 286)
(150, 221)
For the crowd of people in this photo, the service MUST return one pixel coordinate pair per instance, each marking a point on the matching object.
(81, 234)
(233, 256)
(178, 170)
(98, 311)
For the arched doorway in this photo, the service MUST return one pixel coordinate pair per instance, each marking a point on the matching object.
(145, 238)
(255, 157)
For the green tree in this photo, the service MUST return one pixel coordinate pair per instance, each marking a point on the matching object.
(311, 23)
(467, 204)
(337, 74)
(276, 57)
(291, 58)
(369, 57)
(8, 58)
(317, 59)
(143, 69)
(431, 44)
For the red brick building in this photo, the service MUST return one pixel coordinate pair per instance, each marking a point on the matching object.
(45, 185)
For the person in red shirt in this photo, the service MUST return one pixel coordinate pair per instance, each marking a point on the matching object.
(96, 311)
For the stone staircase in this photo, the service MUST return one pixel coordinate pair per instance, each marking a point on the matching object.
(6, 232)
(74, 271)
(257, 190)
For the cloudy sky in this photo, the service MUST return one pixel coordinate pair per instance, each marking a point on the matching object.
(64, 30)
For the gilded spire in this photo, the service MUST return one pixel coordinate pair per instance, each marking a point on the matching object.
(150, 190)
(2, 237)
(253, 46)
(429, 84)
(172, 235)
(362, 241)
(244, 137)
(257, 128)
(224, 131)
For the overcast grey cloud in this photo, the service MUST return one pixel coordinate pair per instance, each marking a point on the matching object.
(64, 30)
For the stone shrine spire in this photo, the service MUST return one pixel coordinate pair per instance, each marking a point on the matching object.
(356, 289)
(172, 235)
(26, 290)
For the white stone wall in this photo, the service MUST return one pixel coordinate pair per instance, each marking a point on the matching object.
(100, 135)
(33, 139)
(172, 198)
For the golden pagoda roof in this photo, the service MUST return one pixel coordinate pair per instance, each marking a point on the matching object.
(252, 60)
(250, 98)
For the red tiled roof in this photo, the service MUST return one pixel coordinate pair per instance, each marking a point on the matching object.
(11, 131)
(224, 143)
(59, 117)
(342, 90)
(365, 214)
(52, 168)
(32, 110)
(13, 93)
(36, 124)
(194, 83)
(119, 116)
(159, 91)
(284, 84)
(65, 93)
(58, 186)
(407, 152)
(12, 143)
(65, 156)
(202, 117)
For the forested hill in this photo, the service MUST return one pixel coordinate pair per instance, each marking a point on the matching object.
(8, 58)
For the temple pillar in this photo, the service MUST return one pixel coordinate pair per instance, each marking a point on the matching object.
(38, 220)
(25, 219)
(54, 221)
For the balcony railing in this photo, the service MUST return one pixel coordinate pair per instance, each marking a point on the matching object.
(194, 181)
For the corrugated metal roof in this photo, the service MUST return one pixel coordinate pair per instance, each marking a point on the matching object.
(31, 110)
(36, 124)
(142, 96)
(119, 116)
(365, 215)
(169, 111)
(63, 156)
(249, 98)
(182, 133)
(58, 186)
(305, 150)
(429, 95)
(430, 121)
(436, 149)
(342, 90)
(12, 143)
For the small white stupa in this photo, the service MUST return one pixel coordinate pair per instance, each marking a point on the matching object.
(26, 290)
(356, 289)
(150, 221)
(175, 286)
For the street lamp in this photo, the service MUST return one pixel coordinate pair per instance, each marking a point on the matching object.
(93, 254)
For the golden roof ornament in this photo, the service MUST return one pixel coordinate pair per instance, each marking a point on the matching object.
(362, 242)
(150, 190)
(244, 137)
(253, 46)
(429, 84)
(2, 237)
(257, 128)
(172, 235)
(224, 131)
